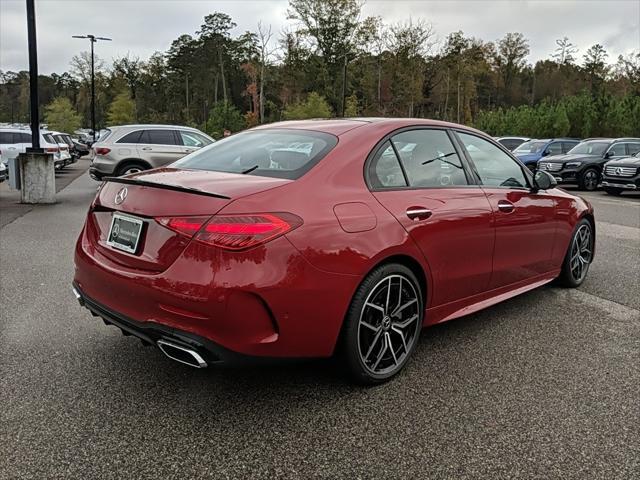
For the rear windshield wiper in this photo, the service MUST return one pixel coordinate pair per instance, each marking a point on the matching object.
(249, 170)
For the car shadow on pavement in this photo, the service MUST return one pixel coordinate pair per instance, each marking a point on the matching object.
(442, 351)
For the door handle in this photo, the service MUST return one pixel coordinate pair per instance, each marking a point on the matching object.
(418, 213)
(146, 148)
(506, 206)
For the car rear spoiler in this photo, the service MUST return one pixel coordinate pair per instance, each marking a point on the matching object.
(166, 186)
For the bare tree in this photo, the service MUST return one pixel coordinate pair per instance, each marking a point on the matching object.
(564, 53)
(266, 51)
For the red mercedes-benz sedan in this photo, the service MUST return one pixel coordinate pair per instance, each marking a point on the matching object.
(299, 239)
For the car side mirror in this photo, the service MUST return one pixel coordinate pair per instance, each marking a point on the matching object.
(545, 153)
(608, 154)
(544, 180)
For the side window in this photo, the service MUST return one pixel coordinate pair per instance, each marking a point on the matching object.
(192, 139)
(22, 138)
(555, 148)
(618, 150)
(384, 170)
(429, 158)
(6, 138)
(159, 137)
(566, 146)
(494, 167)
(633, 148)
(133, 137)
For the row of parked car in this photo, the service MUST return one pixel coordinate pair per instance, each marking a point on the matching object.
(612, 163)
(14, 141)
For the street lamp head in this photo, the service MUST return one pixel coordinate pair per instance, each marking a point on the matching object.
(92, 38)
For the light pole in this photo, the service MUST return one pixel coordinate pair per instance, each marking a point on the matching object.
(93, 39)
(33, 77)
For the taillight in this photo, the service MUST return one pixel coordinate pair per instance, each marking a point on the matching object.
(102, 150)
(51, 149)
(233, 232)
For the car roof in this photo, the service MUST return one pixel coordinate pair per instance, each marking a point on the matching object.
(150, 125)
(338, 126)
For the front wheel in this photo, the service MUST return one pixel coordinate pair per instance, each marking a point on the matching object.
(579, 256)
(589, 179)
(383, 324)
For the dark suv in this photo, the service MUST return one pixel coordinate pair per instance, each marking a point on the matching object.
(583, 164)
(622, 174)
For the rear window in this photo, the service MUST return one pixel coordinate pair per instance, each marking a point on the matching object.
(133, 137)
(278, 153)
(103, 134)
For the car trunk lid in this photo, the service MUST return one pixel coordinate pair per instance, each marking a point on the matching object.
(163, 193)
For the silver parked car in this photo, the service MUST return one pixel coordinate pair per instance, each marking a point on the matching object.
(132, 148)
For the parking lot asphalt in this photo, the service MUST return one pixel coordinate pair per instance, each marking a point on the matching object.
(545, 385)
(10, 206)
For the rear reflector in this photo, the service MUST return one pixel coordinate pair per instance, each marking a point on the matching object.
(233, 232)
(102, 150)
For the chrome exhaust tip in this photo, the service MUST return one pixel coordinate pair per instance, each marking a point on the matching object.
(181, 354)
(76, 293)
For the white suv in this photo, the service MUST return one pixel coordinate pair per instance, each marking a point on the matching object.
(132, 148)
(14, 141)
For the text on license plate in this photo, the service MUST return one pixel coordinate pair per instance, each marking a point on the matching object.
(124, 233)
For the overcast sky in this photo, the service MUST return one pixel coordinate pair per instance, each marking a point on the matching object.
(141, 27)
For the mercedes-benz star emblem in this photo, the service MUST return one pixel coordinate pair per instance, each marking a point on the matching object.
(618, 171)
(121, 195)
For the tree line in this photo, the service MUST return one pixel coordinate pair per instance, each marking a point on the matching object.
(329, 61)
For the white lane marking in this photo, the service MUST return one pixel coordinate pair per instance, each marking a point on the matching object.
(612, 309)
(621, 232)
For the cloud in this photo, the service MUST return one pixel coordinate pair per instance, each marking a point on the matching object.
(141, 27)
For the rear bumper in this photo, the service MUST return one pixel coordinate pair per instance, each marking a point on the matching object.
(266, 302)
(101, 167)
(151, 334)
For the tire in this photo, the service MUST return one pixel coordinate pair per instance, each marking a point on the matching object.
(613, 191)
(378, 339)
(575, 268)
(129, 168)
(589, 179)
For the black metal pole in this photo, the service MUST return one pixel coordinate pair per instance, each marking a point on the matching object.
(93, 93)
(33, 76)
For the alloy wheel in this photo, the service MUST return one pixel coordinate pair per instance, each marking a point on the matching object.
(581, 253)
(389, 324)
(591, 180)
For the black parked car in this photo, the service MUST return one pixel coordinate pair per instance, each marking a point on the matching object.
(583, 164)
(622, 174)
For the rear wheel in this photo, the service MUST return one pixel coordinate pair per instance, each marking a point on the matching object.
(589, 179)
(613, 191)
(129, 168)
(578, 257)
(383, 324)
